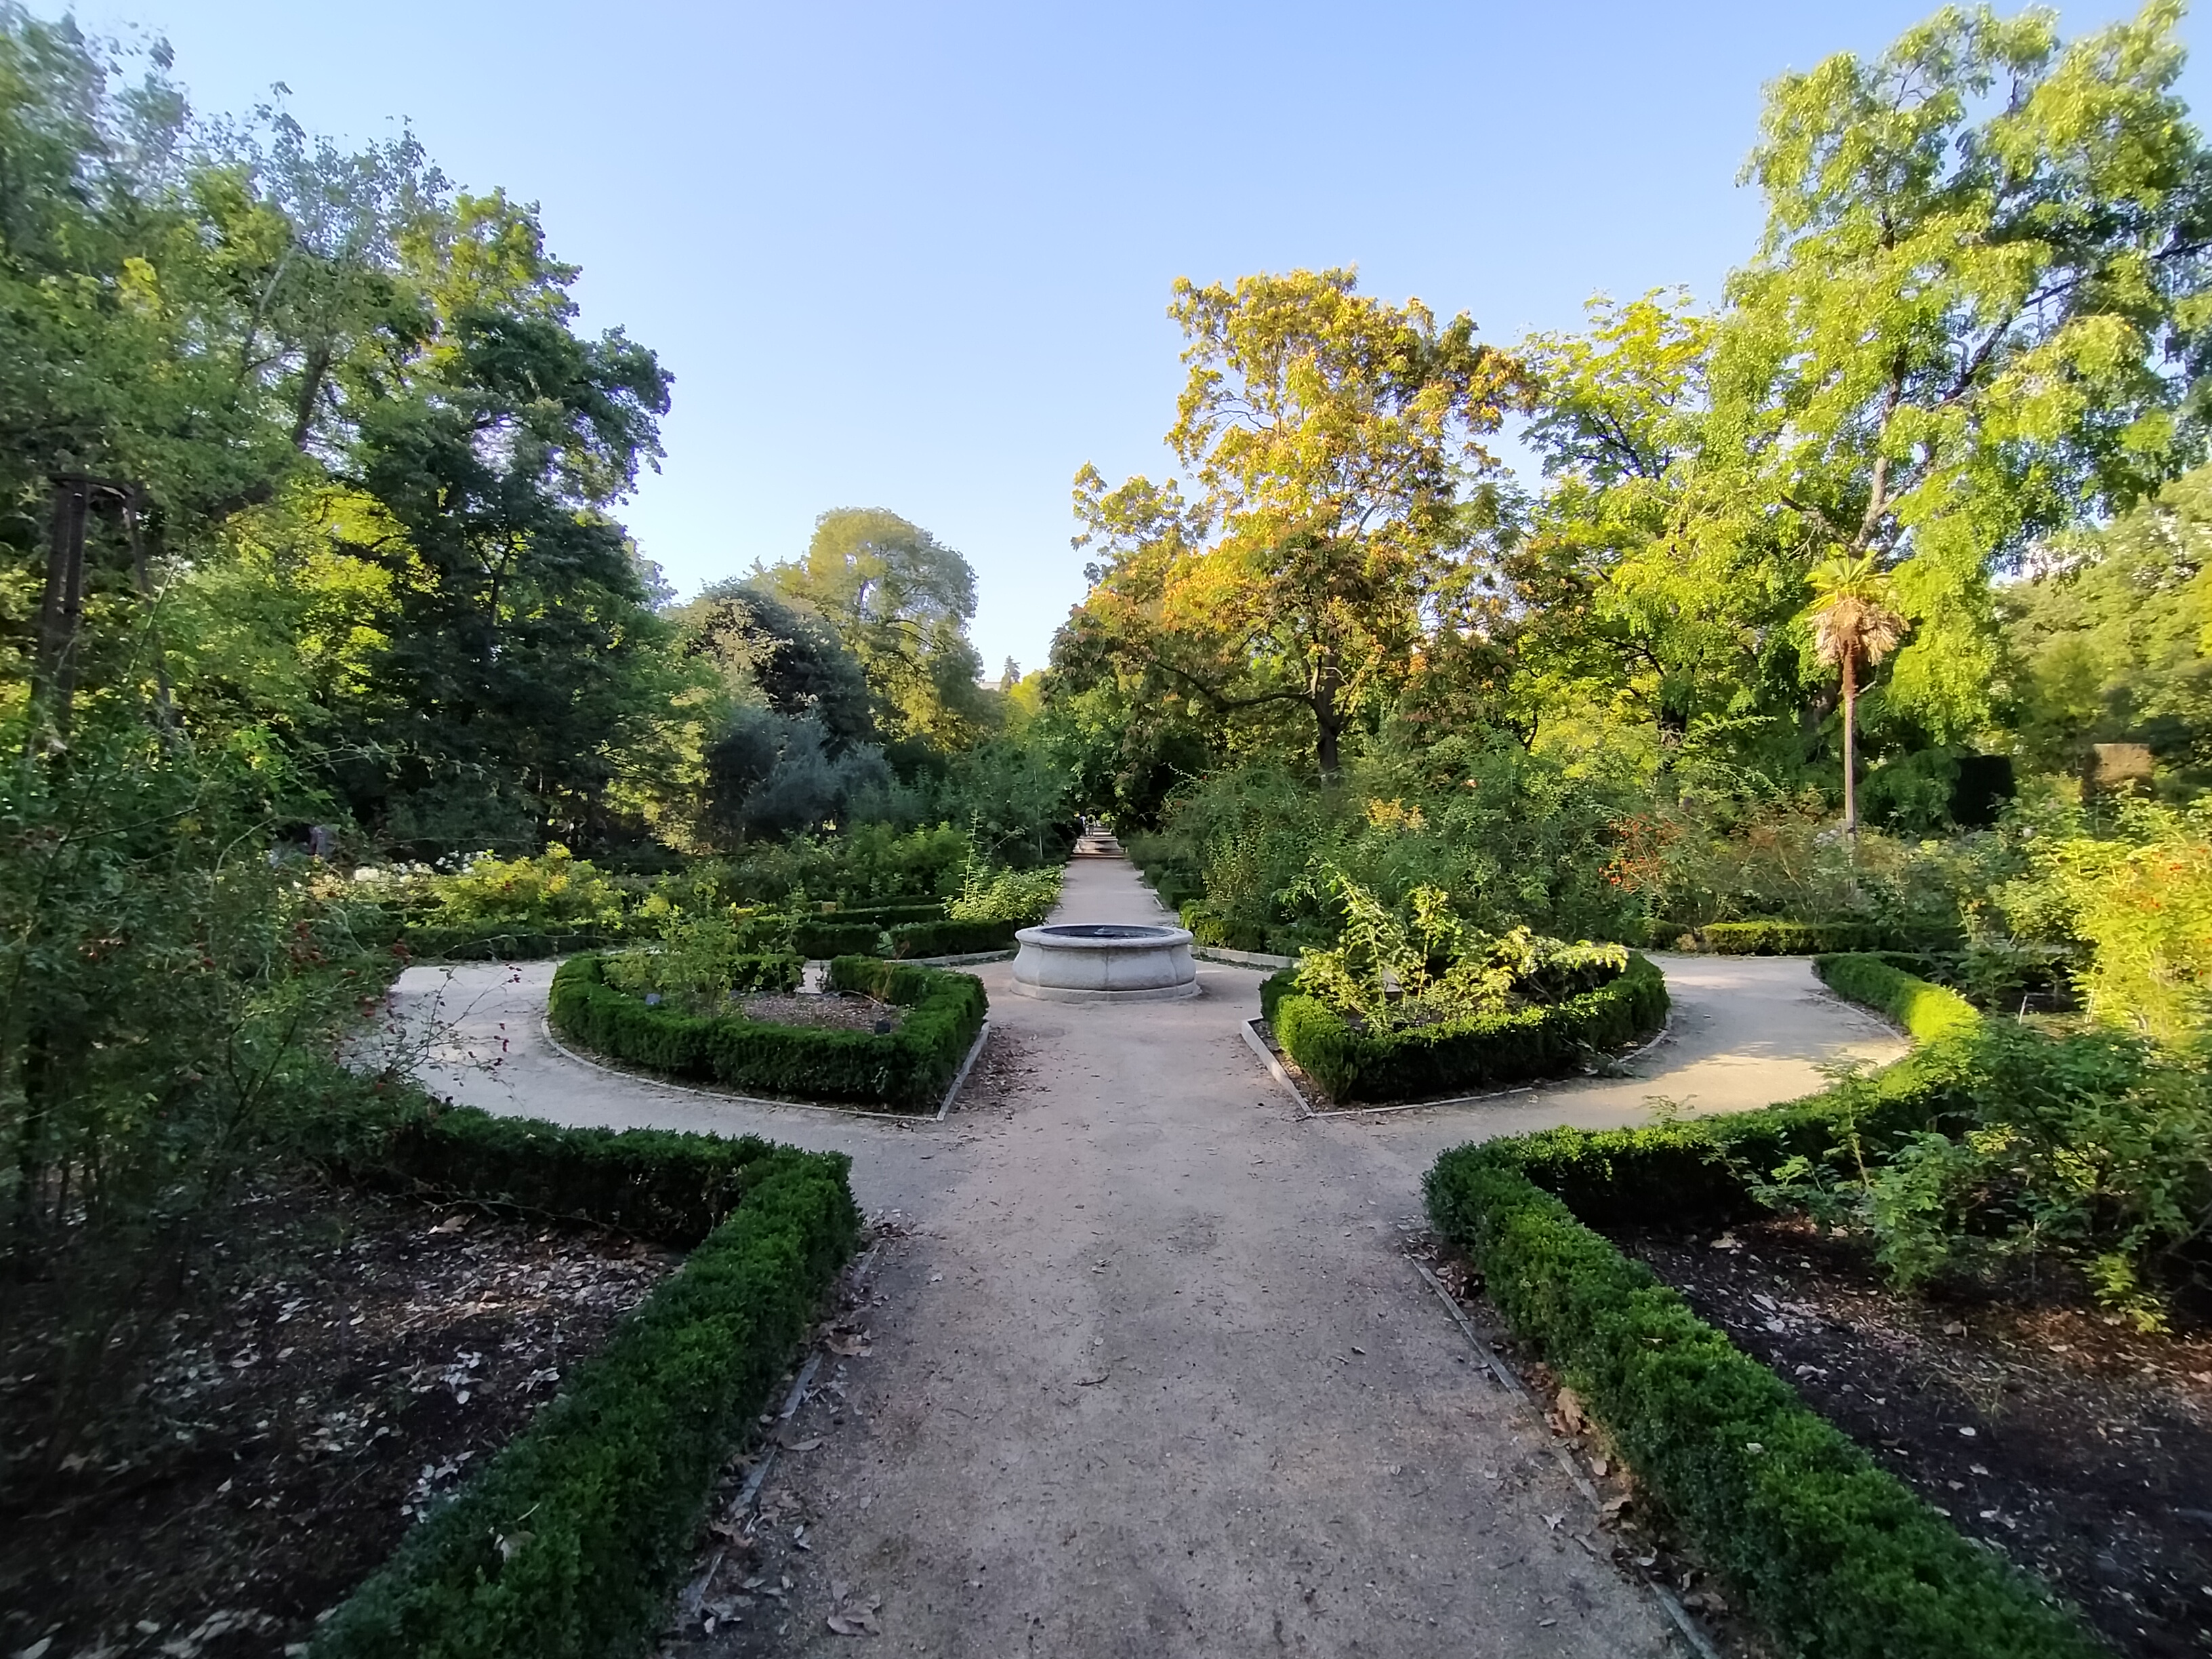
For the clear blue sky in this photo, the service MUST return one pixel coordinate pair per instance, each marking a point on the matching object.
(918, 255)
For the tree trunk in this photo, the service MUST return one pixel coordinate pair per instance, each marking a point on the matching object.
(1851, 751)
(1328, 721)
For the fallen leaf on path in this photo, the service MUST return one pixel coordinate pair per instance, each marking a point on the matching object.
(1571, 1413)
(851, 1347)
(1552, 1521)
(805, 1445)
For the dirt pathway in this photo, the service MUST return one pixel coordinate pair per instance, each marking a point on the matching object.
(1151, 1374)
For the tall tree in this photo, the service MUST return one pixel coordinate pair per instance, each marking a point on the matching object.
(1335, 437)
(1853, 628)
(902, 601)
(1969, 323)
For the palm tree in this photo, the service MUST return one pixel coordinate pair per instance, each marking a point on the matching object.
(1853, 626)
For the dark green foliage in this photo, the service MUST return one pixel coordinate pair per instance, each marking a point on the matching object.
(906, 1070)
(430, 943)
(651, 1183)
(819, 940)
(1927, 1012)
(951, 938)
(1805, 939)
(1835, 1557)
(885, 916)
(1542, 1041)
(1698, 1173)
(568, 1543)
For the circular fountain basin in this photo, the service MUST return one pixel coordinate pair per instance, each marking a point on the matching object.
(1104, 961)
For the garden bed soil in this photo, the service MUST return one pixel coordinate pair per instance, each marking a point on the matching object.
(340, 1361)
(2077, 1446)
(845, 1011)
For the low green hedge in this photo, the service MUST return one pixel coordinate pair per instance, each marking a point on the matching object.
(1926, 1012)
(493, 942)
(817, 941)
(1835, 1555)
(651, 1183)
(1543, 1041)
(906, 1070)
(568, 1543)
(1806, 938)
(951, 938)
(886, 915)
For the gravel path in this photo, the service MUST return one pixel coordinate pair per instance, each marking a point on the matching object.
(1150, 1373)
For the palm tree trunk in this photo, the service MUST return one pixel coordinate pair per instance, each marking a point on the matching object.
(1851, 753)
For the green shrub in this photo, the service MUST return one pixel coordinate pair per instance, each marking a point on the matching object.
(951, 938)
(551, 893)
(568, 1544)
(1022, 898)
(1835, 1555)
(1510, 1046)
(906, 1070)
(880, 916)
(819, 940)
(651, 1183)
(1926, 1012)
(492, 942)
(699, 981)
(1806, 938)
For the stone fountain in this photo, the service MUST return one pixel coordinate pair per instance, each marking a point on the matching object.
(1104, 961)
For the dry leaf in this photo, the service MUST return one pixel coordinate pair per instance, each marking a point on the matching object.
(1571, 1410)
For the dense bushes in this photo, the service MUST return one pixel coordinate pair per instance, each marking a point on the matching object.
(951, 938)
(906, 1070)
(1542, 1040)
(1836, 1558)
(568, 1542)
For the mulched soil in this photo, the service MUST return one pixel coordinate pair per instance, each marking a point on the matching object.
(340, 1362)
(2079, 1447)
(845, 1012)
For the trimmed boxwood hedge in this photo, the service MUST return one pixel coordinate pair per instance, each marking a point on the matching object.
(1835, 1554)
(819, 939)
(886, 915)
(568, 1543)
(1927, 1012)
(1543, 1041)
(1806, 938)
(906, 1070)
(651, 1183)
(951, 938)
(494, 944)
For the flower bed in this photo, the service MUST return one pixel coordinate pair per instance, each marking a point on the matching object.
(906, 1070)
(1542, 1040)
(570, 1541)
(1835, 1555)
